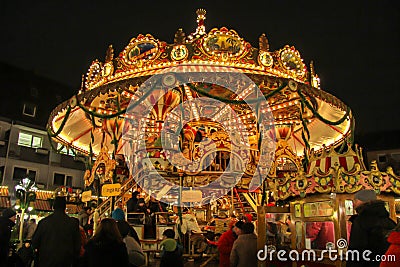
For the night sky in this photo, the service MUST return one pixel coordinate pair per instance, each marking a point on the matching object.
(354, 44)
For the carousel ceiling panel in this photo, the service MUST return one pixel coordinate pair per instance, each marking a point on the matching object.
(76, 132)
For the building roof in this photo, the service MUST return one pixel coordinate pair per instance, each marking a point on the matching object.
(39, 95)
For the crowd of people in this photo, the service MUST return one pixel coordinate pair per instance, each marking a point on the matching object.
(61, 240)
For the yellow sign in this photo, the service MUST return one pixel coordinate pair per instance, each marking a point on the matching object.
(191, 196)
(111, 190)
(86, 196)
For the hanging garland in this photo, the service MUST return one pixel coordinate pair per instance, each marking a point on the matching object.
(305, 135)
(74, 101)
(57, 150)
(49, 130)
(316, 114)
(236, 102)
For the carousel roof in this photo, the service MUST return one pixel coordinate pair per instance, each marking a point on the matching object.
(303, 114)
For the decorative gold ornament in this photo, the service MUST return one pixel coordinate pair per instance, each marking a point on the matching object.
(169, 80)
(292, 85)
(291, 61)
(108, 69)
(265, 59)
(102, 169)
(73, 101)
(179, 52)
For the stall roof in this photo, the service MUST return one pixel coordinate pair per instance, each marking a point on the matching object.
(5, 202)
(42, 205)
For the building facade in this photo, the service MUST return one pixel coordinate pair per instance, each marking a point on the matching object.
(25, 149)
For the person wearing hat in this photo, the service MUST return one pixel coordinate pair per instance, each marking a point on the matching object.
(118, 214)
(57, 239)
(369, 228)
(244, 249)
(7, 222)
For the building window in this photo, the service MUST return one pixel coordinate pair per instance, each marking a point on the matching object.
(396, 156)
(29, 140)
(382, 159)
(58, 179)
(29, 110)
(65, 150)
(21, 173)
(62, 179)
(68, 181)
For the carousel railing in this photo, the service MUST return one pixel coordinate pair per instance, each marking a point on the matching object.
(239, 200)
(251, 201)
(105, 208)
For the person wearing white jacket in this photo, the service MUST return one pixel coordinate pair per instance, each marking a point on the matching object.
(135, 252)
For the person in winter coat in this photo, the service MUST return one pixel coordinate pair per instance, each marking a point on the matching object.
(118, 214)
(225, 244)
(57, 239)
(106, 248)
(132, 202)
(135, 252)
(392, 255)
(244, 250)
(369, 228)
(30, 229)
(7, 222)
(171, 254)
(83, 216)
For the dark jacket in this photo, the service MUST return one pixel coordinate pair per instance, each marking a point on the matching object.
(172, 258)
(100, 253)
(244, 251)
(131, 203)
(5, 234)
(83, 217)
(57, 240)
(369, 231)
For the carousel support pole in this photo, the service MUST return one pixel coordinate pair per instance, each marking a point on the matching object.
(21, 227)
(180, 200)
(261, 231)
(232, 203)
(112, 206)
(96, 216)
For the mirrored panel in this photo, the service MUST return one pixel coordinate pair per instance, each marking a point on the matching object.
(318, 209)
(320, 235)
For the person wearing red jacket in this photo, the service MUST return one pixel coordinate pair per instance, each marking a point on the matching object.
(393, 250)
(224, 244)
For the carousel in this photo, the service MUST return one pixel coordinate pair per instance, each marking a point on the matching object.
(213, 123)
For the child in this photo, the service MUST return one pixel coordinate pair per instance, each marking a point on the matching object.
(171, 255)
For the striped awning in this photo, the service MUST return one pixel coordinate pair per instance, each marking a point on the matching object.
(43, 205)
(4, 191)
(71, 209)
(40, 194)
(5, 202)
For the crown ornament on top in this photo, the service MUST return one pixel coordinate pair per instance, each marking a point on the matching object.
(145, 55)
(201, 17)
